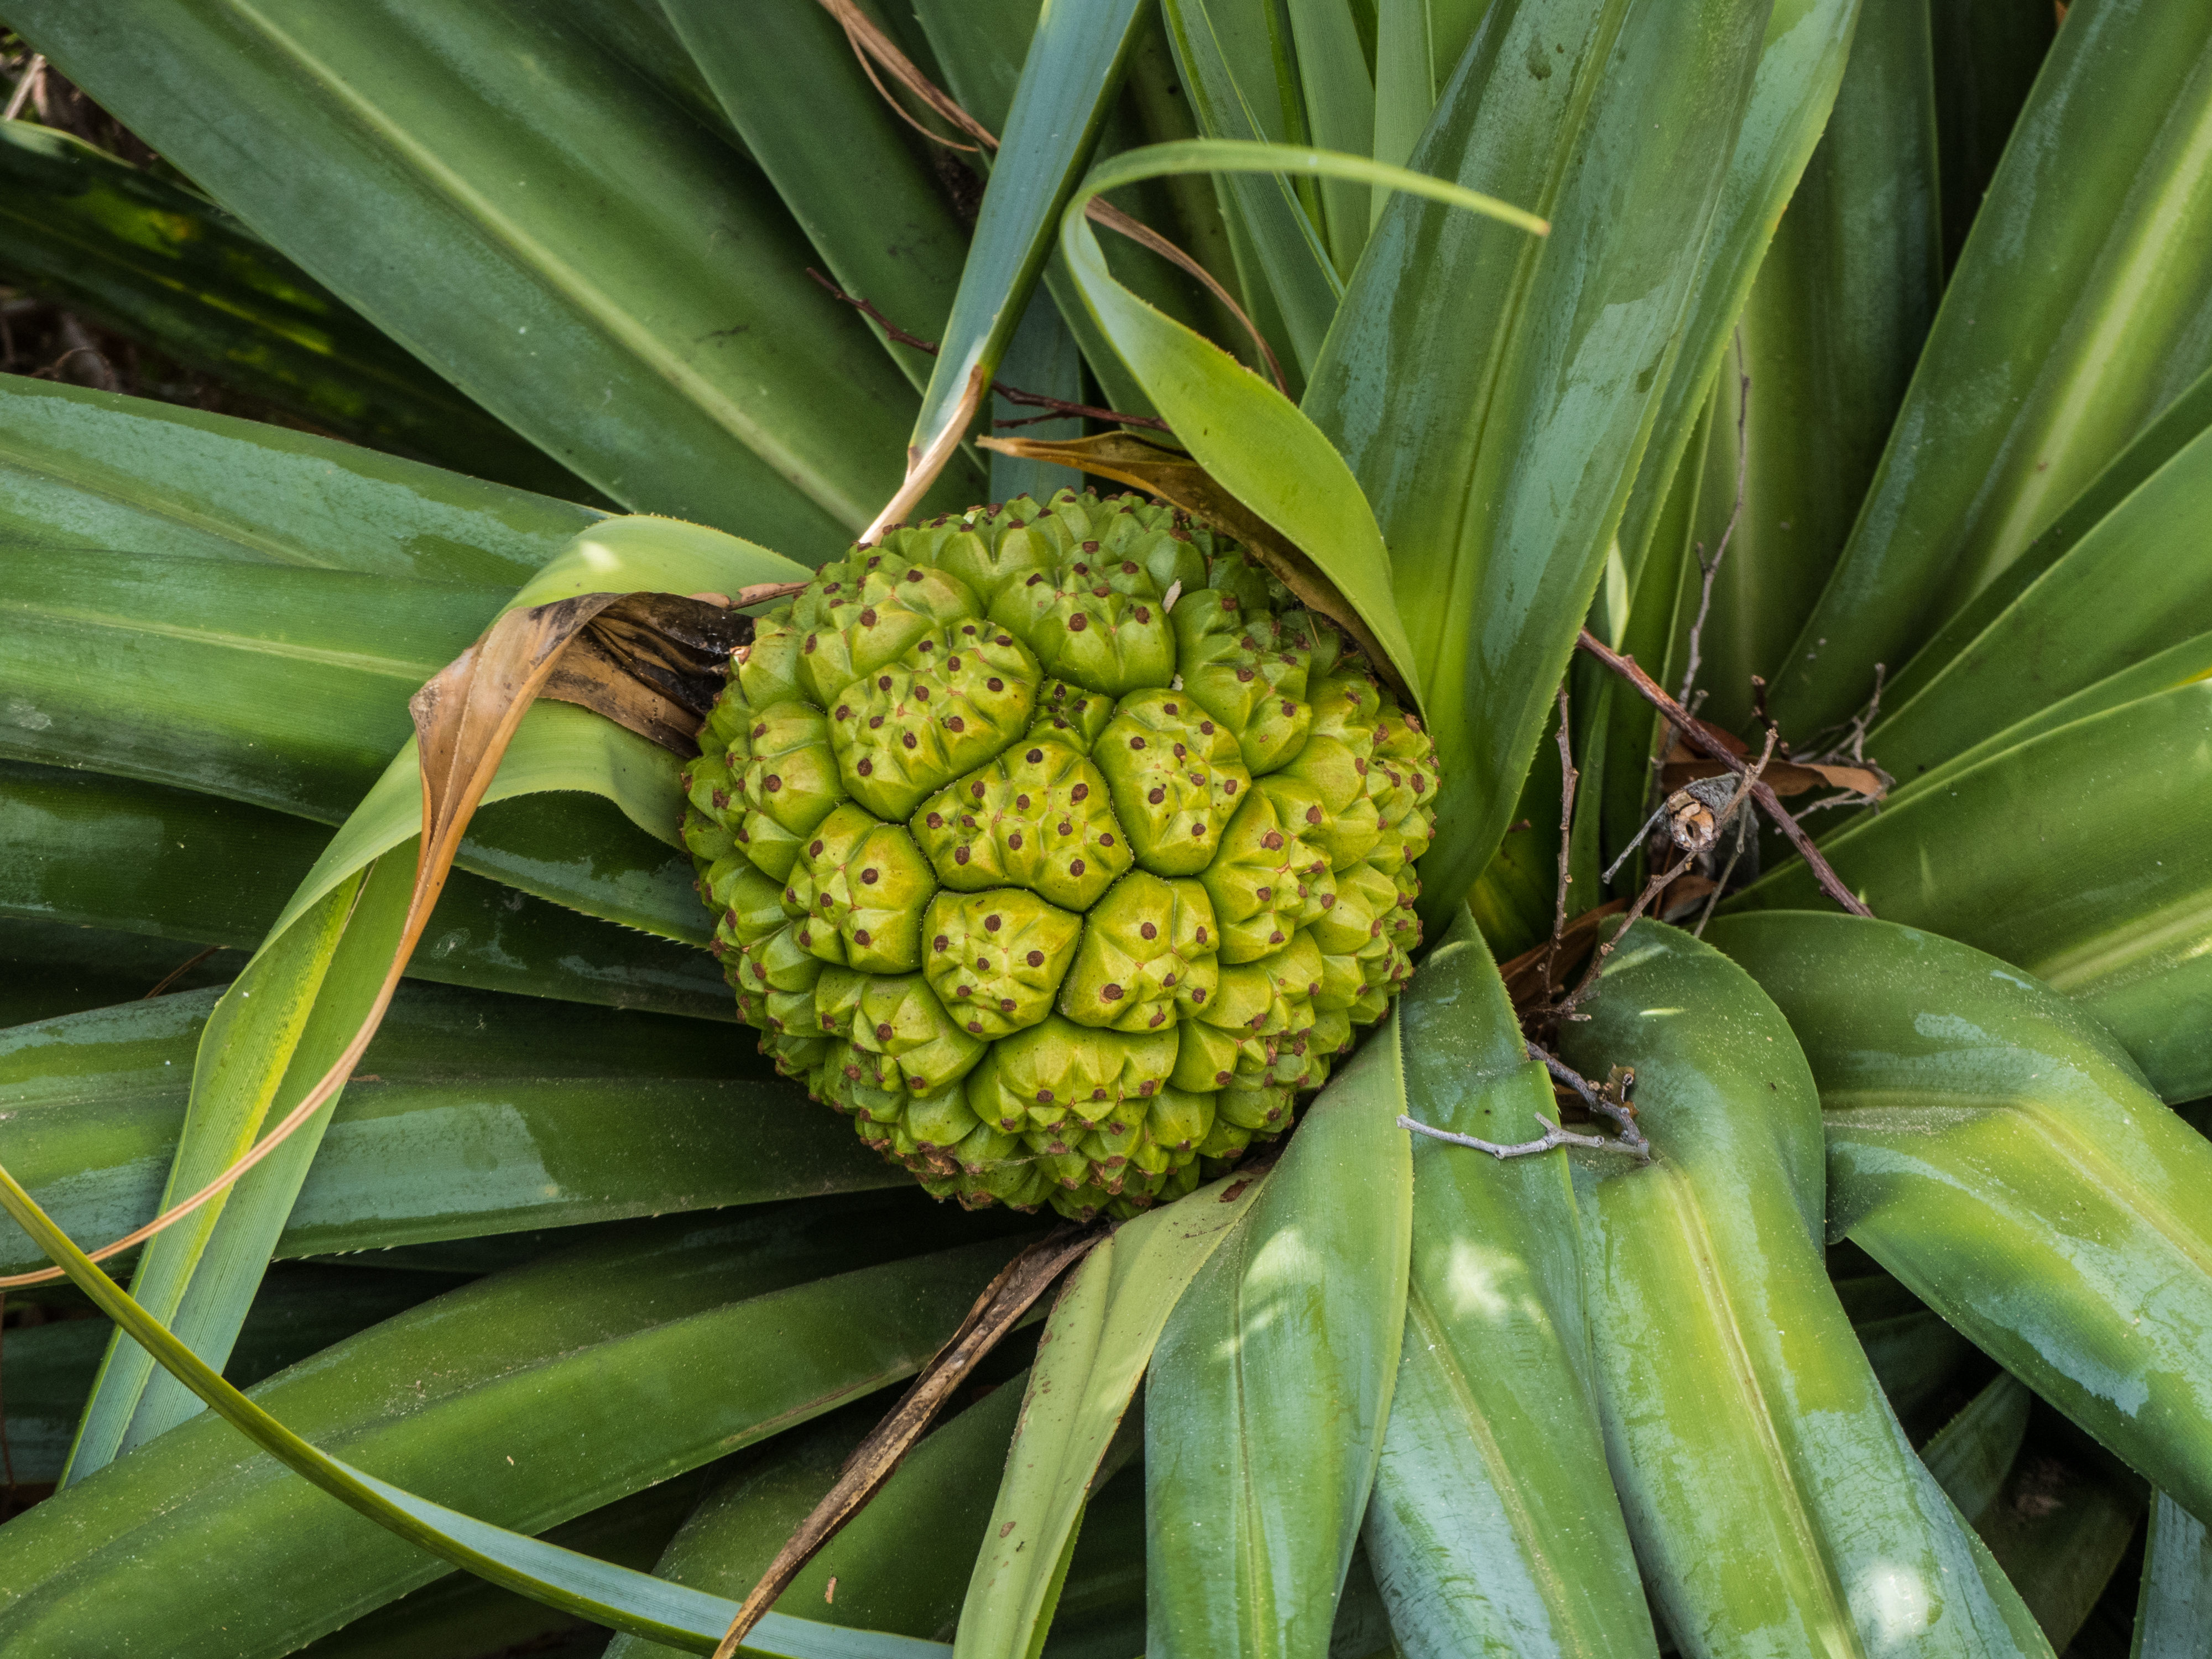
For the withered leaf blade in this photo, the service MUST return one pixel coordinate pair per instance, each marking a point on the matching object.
(1684, 765)
(1524, 975)
(653, 663)
(1182, 481)
(464, 719)
(874, 1461)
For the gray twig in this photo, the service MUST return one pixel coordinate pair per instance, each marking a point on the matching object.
(1553, 1136)
(1601, 1101)
(27, 84)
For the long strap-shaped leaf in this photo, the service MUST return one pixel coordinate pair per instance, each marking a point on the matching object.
(1494, 1527)
(1243, 432)
(2174, 1617)
(1265, 1412)
(1774, 1499)
(605, 1594)
(1073, 70)
(1996, 1150)
(1102, 1334)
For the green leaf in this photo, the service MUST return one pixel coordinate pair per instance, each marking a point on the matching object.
(1074, 66)
(301, 1310)
(2127, 588)
(899, 1565)
(511, 203)
(442, 1396)
(1774, 1500)
(2174, 1617)
(1971, 1454)
(1828, 336)
(1102, 1331)
(314, 983)
(1265, 1411)
(2076, 314)
(1494, 1527)
(2077, 856)
(472, 1113)
(164, 266)
(1339, 98)
(1236, 62)
(85, 469)
(81, 850)
(1498, 441)
(1243, 432)
(787, 75)
(464, 1617)
(1993, 1147)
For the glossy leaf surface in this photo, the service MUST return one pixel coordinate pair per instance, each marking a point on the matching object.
(1994, 1149)
(1265, 1410)
(81, 850)
(169, 269)
(2078, 856)
(1497, 441)
(1775, 1501)
(91, 470)
(474, 1114)
(2076, 312)
(651, 1321)
(2173, 1619)
(1102, 1332)
(1494, 1526)
(603, 273)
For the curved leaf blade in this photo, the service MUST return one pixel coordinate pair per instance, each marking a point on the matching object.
(867, 1325)
(1101, 1334)
(2078, 856)
(1494, 1526)
(1496, 443)
(605, 273)
(1994, 1149)
(1773, 1497)
(2077, 312)
(1271, 1386)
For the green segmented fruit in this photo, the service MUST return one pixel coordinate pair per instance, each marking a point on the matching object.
(1058, 847)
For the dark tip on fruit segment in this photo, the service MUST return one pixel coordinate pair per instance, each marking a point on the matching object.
(1037, 958)
(1081, 791)
(1111, 992)
(939, 942)
(869, 876)
(1078, 622)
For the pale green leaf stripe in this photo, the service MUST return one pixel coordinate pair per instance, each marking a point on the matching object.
(1251, 438)
(1101, 1335)
(606, 1595)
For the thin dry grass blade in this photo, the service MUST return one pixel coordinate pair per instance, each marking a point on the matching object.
(996, 1312)
(464, 719)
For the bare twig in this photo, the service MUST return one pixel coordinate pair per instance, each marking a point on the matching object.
(875, 1459)
(1743, 832)
(1012, 394)
(178, 972)
(1703, 738)
(1708, 570)
(873, 46)
(1553, 1136)
(1568, 779)
(1610, 1103)
(27, 84)
(1652, 889)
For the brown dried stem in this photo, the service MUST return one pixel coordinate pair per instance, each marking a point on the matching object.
(1705, 740)
(874, 1461)
(1608, 1104)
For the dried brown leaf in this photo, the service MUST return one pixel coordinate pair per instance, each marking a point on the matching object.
(874, 1461)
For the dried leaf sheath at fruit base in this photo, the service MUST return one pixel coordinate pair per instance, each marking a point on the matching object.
(1060, 846)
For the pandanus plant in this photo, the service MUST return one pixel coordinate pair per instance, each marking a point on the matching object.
(1568, 908)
